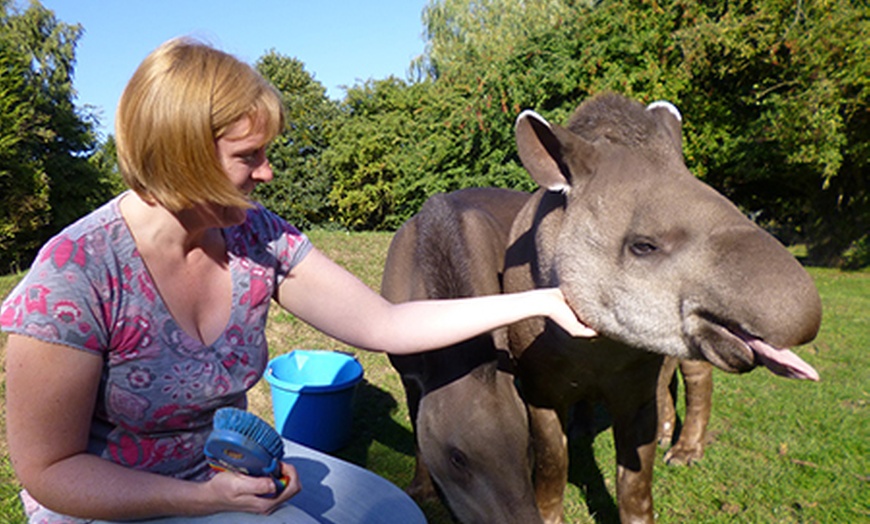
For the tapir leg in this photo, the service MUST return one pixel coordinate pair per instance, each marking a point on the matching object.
(698, 378)
(551, 462)
(635, 440)
(666, 402)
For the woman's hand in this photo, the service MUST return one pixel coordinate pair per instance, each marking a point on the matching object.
(228, 491)
(564, 316)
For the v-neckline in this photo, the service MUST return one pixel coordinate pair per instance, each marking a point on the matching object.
(164, 306)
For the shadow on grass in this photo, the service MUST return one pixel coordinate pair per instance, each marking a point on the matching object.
(373, 423)
(394, 459)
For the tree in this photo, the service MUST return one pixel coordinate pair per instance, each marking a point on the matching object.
(782, 89)
(46, 179)
(372, 146)
(774, 94)
(396, 144)
(24, 208)
(300, 189)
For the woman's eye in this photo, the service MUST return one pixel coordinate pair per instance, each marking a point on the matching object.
(253, 157)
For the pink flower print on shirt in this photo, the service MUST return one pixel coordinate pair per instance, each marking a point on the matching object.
(125, 403)
(174, 416)
(62, 250)
(235, 358)
(67, 311)
(185, 380)
(140, 378)
(260, 290)
(12, 314)
(146, 286)
(130, 336)
(42, 331)
(35, 299)
(235, 335)
(132, 451)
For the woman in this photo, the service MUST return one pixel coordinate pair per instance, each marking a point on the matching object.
(140, 320)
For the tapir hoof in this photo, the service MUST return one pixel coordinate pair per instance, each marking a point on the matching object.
(681, 455)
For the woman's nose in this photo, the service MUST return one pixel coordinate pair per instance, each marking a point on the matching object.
(264, 173)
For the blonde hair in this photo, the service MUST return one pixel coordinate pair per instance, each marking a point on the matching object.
(180, 100)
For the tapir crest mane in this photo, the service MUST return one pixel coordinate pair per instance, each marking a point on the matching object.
(614, 118)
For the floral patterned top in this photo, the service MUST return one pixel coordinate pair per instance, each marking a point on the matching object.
(90, 290)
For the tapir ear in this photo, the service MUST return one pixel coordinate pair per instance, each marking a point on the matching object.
(669, 116)
(551, 154)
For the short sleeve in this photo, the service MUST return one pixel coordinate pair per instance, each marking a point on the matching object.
(270, 241)
(58, 300)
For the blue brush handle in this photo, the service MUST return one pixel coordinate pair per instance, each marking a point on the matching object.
(230, 450)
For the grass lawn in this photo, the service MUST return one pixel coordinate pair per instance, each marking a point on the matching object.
(779, 450)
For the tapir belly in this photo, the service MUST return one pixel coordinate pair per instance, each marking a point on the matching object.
(557, 372)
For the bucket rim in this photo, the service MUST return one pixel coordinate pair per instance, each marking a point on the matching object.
(297, 387)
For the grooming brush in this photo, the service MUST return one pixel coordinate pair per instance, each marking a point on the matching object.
(244, 443)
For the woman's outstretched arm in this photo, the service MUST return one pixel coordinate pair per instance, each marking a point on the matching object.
(334, 301)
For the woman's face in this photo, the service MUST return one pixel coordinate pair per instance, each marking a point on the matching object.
(242, 153)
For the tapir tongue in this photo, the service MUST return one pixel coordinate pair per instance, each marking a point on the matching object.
(781, 361)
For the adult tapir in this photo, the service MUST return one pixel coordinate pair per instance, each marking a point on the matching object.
(657, 262)
(470, 424)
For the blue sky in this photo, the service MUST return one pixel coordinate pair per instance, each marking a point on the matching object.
(341, 42)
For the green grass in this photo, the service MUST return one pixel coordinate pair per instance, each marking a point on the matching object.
(779, 451)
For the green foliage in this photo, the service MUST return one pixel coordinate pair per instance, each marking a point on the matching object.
(773, 92)
(397, 144)
(782, 89)
(463, 33)
(300, 189)
(46, 180)
(774, 95)
(24, 208)
(368, 140)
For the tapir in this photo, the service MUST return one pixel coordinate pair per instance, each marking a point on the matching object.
(656, 261)
(470, 425)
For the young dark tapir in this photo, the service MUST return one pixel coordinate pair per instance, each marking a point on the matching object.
(658, 263)
(470, 425)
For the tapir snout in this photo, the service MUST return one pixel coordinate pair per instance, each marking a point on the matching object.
(759, 302)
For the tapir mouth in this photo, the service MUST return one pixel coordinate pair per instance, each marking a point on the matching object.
(780, 361)
(756, 351)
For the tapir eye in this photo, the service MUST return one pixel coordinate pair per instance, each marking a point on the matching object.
(642, 248)
(458, 459)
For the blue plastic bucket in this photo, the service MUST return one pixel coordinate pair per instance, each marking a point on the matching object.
(312, 396)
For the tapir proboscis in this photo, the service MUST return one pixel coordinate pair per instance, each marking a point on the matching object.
(659, 263)
(470, 425)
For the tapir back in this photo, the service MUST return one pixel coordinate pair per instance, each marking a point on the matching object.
(470, 423)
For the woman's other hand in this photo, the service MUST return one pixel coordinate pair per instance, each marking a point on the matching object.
(228, 491)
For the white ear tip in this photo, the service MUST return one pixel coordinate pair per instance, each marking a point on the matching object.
(560, 188)
(528, 113)
(671, 108)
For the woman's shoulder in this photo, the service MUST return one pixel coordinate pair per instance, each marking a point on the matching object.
(262, 219)
(87, 240)
(267, 237)
(262, 226)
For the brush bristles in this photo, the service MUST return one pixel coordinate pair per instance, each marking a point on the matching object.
(252, 427)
